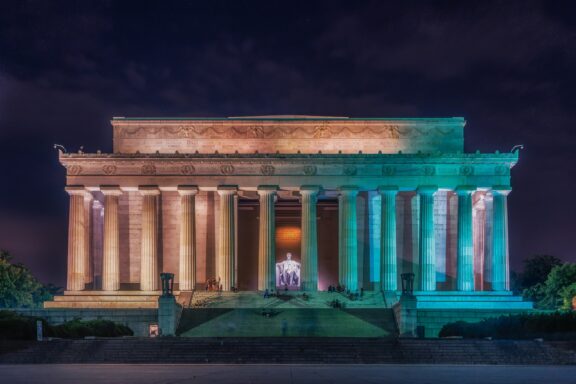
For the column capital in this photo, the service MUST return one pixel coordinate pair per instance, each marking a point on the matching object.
(388, 189)
(350, 190)
(267, 189)
(110, 190)
(76, 190)
(149, 190)
(227, 189)
(187, 190)
(427, 189)
(501, 190)
(465, 189)
(309, 189)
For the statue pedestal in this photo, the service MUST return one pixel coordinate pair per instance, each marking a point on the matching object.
(167, 315)
(406, 315)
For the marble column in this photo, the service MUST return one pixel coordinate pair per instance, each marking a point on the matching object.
(309, 240)
(500, 261)
(89, 266)
(388, 264)
(77, 257)
(111, 239)
(187, 264)
(267, 238)
(226, 251)
(349, 237)
(465, 244)
(149, 274)
(427, 239)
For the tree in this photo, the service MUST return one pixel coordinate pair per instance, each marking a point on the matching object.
(557, 285)
(536, 270)
(18, 287)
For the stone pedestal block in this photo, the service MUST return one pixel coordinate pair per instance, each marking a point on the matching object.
(168, 311)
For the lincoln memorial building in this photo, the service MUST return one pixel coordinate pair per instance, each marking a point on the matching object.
(290, 203)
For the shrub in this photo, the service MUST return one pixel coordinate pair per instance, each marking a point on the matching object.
(557, 325)
(100, 328)
(17, 327)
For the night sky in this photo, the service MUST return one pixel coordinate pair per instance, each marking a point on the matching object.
(67, 67)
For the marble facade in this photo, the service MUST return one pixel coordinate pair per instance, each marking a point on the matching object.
(409, 199)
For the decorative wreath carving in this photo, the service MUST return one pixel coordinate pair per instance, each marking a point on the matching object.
(227, 169)
(429, 170)
(466, 170)
(310, 170)
(187, 169)
(267, 169)
(350, 170)
(148, 169)
(74, 170)
(501, 170)
(109, 169)
(388, 170)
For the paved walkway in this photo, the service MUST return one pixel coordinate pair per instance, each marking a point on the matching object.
(281, 374)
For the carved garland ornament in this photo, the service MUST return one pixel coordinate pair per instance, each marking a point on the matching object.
(388, 170)
(148, 169)
(501, 170)
(109, 169)
(74, 170)
(429, 170)
(341, 130)
(227, 169)
(310, 170)
(267, 170)
(466, 170)
(350, 170)
(187, 169)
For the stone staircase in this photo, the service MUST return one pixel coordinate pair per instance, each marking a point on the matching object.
(105, 300)
(288, 351)
(293, 322)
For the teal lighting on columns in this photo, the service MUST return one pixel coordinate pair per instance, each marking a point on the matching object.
(309, 238)
(266, 239)
(465, 248)
(427, 239)
(348, 237)
(388, 264)
(500, 272)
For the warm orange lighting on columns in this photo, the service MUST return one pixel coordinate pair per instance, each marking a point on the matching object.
(267, 243)
(187, 275)
(111, 243)
(77, 256)
(226, 252)
(149, 243)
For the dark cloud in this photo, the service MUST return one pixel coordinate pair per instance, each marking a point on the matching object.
(67, 67)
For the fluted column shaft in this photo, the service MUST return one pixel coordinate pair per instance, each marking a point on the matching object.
(427, 240)
(111, 240)
(187, 263)
(226, 256)
(349, 238)
(267, 240)
(309, 239)
(465, 246)
(149, 244)
(388, 264)
(500, 259)
(77, 248)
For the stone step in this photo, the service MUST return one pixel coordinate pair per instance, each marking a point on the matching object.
(101, 304)
(131, 298)
(290, 350)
